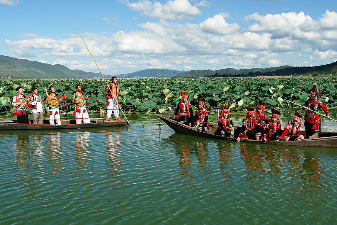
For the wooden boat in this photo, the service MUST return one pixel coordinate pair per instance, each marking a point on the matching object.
(324, 139)
(66, 124)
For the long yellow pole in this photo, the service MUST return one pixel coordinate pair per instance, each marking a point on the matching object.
(103, 77)
(318, 113)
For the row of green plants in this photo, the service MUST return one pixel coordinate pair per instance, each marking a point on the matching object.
(155, 95)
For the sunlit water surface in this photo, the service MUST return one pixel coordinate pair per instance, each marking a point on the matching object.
(147, 174)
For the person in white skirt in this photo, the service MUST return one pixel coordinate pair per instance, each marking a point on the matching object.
(35, 103)
(53, 102)
(81, 112)
(111, 93)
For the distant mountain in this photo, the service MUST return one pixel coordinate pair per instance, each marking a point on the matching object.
(151, 73)
(13, 68)
(323, 70)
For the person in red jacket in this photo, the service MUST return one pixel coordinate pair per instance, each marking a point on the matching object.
(184, 110)
(225, 123)
(248, 125)
(273, 127)
(292, 131)
(261, 119)
(312, 121)
(201, 117)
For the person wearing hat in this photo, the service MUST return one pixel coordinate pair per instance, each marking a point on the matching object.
(20, 103)
(312, 121)
(292, 131)
(111, 94)
(184, 110)
(261, 119)
(248, 125)
(225, 123)
(273, 127)
(201, 117)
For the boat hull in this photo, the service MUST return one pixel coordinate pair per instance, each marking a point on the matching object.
(67, 124)
(325, 139)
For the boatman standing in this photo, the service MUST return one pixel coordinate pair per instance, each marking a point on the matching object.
(81, 112)
(111, 93)
(53, 102)
(20, 103)
(35, 103)
(312, 121)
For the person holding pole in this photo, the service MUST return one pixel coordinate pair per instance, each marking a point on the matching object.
(312, 121)
(111, 93)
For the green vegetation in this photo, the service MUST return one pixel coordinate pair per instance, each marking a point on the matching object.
(162, 95)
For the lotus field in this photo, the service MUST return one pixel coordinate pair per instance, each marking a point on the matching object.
(161, 95)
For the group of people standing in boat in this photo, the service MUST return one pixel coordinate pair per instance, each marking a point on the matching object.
(255, 125)
(22, 103)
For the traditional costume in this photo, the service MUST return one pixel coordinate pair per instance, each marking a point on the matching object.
(184, 110)
(261, 119)
(202, 117)
(20, 103)
(312, 121)
(248, 124)
(292, 131)
(54, 111)
(35, 103)
(273, 127)
(81, 111)
(112, 101)
(225, 123)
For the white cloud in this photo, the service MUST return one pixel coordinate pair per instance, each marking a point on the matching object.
(9, 2)
(213, 44)
(205, 3)
(328, 20)
(218, 25)
(106, 19)
(172, 10)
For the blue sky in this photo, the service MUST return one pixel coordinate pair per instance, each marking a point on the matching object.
(131, 35)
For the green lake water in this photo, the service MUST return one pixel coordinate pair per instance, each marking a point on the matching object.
(147, 174)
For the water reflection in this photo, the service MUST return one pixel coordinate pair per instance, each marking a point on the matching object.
(82, 150)
(261, 161)
(225, 150)
(113, 145)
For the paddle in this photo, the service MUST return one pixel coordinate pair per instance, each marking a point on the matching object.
(104, 78)
(318, 113)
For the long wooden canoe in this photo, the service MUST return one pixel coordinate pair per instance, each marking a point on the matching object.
(324, 139)
(66, 124)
